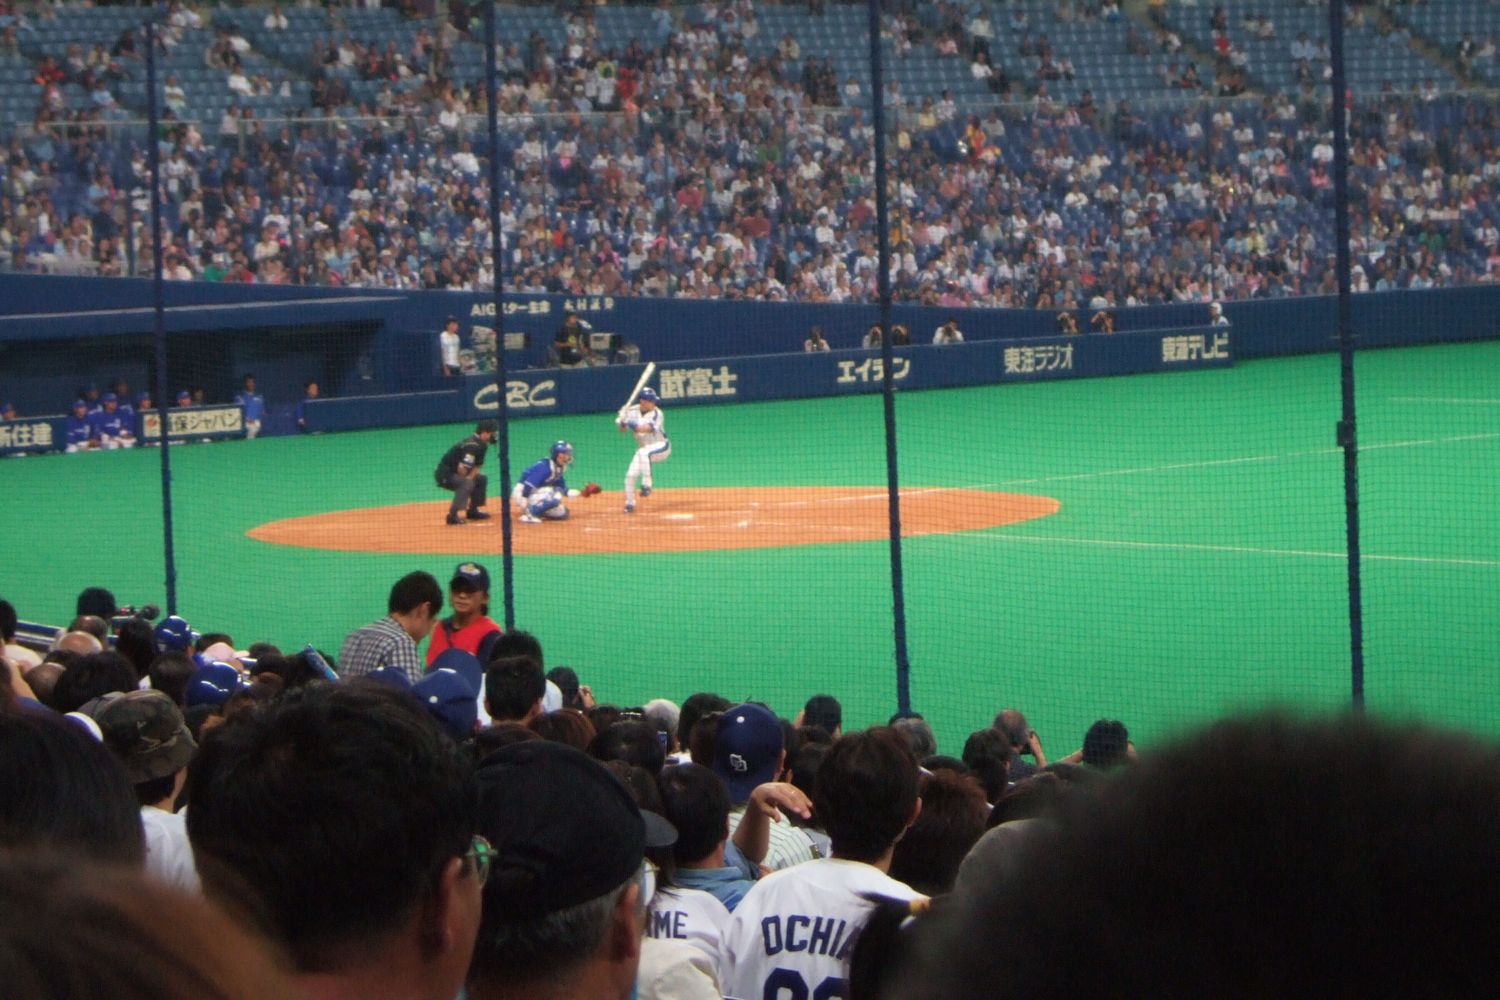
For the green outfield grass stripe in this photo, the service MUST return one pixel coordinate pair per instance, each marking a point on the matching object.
(1238, 549)
(1442, 399)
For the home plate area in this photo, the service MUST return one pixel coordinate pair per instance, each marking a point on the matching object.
(680, 520)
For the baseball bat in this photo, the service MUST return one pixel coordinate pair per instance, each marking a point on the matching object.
(639, 385)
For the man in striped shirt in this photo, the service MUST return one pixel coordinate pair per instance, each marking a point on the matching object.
(411, 612)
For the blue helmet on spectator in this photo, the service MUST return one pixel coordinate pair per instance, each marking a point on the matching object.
(213, 684)
(174, 635)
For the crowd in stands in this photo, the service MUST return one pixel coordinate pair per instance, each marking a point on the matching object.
(680, 164)
(181, 818)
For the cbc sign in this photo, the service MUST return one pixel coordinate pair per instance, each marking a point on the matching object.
(518, 396)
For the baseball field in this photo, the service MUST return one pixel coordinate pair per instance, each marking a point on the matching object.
(1160, 549)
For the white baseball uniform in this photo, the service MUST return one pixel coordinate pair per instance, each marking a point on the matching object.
(690, 915)
(652, 445)
(792, 934)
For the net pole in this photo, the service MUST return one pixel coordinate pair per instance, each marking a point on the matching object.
(497, 255)
(1347, 438)
(158, 317)
(887, 366)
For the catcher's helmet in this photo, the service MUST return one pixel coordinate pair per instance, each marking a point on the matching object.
(561, 447)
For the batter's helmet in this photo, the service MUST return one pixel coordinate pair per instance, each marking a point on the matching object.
(560, 447)
(648, 395)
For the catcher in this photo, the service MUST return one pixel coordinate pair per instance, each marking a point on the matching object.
(542, 490)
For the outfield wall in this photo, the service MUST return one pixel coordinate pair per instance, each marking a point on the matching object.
(57, 333)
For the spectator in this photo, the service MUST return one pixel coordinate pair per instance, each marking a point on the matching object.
(948, 333)
(72, 928)
(867, 797)
(825, 712)
(146, 731)
(1107, 745)
(919, 736)
(92, 676)
(411, 612)
(514, 687)
(815, 342)
(470, 627)
(988, 755)
(953, 817)
(448, 345)
(1011, 723)
(1381, 819)
(564, 910)
(694, 708)
(61, 791)
(352, 818)
(748, 753)
(696, 802)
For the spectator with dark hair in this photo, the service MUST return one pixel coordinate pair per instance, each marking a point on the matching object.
(487, 740)
(1023, 740)
(91, 676)
(793, 930)
(352, 817)
(96, 601)
(73, 929)
(411, 612)
(518, 642)
(61, 791)
(565, 907)
(954, 811)
(697, 804)
(987, 754)
(514, 686)
(825, 712)
(1216, 841)
(574, 695)
(1107, 745)
(146, 731)
(135, 640)
(694, 708)
(566, 725)
(632, 741)
(17, 654)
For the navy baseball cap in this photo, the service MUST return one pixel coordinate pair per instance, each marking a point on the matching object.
(747, 749)
(390, 675)
(564, 829)
(79, 404)
(213, 684)
(470, 576)
(184, 394)
(174, 635)
(449, 699)
(649, 395)
(109, 397)
(463, 663)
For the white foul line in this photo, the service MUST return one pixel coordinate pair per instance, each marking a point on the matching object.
(1239, 549)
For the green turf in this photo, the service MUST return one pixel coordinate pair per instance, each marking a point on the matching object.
(1194, 567)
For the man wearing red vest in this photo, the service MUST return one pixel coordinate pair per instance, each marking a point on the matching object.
(470, 627)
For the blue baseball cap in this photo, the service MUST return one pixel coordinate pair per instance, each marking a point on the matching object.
(747, 749)
(389, 675)
(174, 635)
(213, 683)
(109, 397)
(450, 700)
(184, 394)
(648, 395)
(79, 404)
(463, 663)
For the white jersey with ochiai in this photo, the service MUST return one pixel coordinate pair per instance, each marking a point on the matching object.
(792, 934)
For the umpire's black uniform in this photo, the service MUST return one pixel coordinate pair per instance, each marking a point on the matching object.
(459, 471)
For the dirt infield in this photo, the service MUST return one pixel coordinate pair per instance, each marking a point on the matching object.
(688, 520)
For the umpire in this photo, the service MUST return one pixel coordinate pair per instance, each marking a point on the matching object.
(459, 471)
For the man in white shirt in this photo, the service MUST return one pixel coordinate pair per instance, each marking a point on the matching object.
(792, 935)
(145, 729)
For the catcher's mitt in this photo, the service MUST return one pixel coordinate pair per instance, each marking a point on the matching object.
(591, 489)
